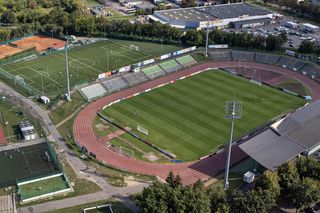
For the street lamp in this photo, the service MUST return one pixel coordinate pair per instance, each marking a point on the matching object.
(233, 110)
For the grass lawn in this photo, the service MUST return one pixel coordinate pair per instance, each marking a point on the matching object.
(295, 86)
(85, 63)
(90, 3)
(235, 181)
(200, 57)
(116, 177)
(43, 187)
(187, 117)
(10, 117)
(117, 207)
(67, 108)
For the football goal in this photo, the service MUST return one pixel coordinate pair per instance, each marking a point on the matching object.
(134, 47)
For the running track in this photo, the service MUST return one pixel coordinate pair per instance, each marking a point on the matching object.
(190, 171)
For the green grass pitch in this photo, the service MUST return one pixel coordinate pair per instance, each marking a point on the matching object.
(187, 117)
(86, 62)
(43, 187)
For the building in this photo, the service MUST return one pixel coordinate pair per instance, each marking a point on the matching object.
(291, 25)
(216, 16)
(298, 133)
(130, 3)
(144, 6)
(27, 130)
(310, 27)
(315, 2)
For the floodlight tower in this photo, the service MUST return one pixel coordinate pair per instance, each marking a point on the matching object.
(67, 71)
(207, 38)
(233, 110)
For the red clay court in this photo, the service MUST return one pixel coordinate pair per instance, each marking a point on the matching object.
(3, 139)
(191, 171)
(41, 43)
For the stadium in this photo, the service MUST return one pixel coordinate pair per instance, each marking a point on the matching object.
(156, 81)
(236, 15)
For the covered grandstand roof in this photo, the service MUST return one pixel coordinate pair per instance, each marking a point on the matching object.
(287, 138)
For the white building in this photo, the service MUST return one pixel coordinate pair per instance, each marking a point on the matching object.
(237, 15)
(27, 130)
(310, 27)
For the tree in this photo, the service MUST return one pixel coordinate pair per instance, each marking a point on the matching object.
(195, 198)
(9, 17)
(308, 167)
(193, 37)
(252, 201)
(153, 198)
(188, 3)
(173, 181)
(219, 202)
(273, 42)
(288, 175)
(307, 47)
(269, 181)
(304, 193)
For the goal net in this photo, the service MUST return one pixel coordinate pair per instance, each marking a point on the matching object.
(133, 47)
(19, 80)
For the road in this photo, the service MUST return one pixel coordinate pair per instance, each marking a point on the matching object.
(76, 163)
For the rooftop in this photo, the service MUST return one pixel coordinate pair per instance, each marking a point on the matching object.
(294, 134)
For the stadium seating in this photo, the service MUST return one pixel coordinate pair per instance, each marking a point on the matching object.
(186, 60)
(115, 84)
(170, 66)
(298, 65)
(153, 72)
(261, 58)
(272, 59)
(220, 56)
(312, 71)
(135, 78)
(242, 55)
(287, 62)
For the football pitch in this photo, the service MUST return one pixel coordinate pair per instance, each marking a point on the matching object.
(47, 73)
(187, 117)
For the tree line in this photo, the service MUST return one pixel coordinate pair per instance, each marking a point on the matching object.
(60, 17)
(295, 182)
(304, 8)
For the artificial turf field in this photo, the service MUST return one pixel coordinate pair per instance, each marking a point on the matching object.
(43, 187)
(85, 63)
(187, 117)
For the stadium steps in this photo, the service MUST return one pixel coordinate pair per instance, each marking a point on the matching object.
(125, 80)
(212, 166)
(303, 66)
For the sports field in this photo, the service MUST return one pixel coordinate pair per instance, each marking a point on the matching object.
(43, 187)
(187, 117)
(86, 62)
(28, 162)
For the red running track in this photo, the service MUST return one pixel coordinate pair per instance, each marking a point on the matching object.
(190, 171)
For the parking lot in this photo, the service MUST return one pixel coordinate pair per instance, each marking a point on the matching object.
(295, 36)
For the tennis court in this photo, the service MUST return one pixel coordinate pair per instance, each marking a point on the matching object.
(28, 162)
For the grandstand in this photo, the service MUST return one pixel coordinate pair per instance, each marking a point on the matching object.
(170, 66)
(221, 56)
(312, 71)
(286, 62)
(153, 71)
(93, 91)
(186, 60)
(115, 84)
(261, 58)
(242, 56)
(298, 65)
(272, 59)
(135, 78)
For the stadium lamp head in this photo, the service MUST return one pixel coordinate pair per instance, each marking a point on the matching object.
(233, 109)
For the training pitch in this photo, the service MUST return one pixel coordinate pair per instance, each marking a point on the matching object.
(187, 117)
(25, 163)
(85, 63)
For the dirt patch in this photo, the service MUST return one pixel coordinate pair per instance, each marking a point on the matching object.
(101, 127)
(151, 156)
(131, 181)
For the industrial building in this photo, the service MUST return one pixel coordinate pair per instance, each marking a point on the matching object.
(235, 15)
(27, 130)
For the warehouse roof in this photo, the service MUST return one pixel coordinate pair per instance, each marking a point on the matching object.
(294, 134)
(212, 12)
(185, 14)
(226, 11)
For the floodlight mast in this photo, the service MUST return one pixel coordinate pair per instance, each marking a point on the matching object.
(233, 110)
(67, 71)
(207, 38)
